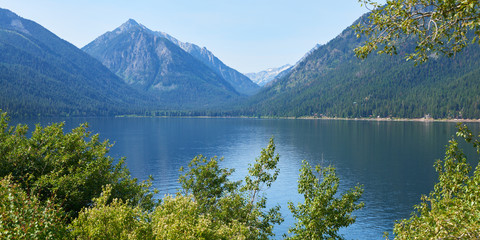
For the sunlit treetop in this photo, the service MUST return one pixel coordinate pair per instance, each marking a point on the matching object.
(439, 27)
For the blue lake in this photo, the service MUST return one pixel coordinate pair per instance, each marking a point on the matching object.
(392, 160)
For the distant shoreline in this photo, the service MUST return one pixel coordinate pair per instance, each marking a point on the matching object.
(397, 119)
(318, 118)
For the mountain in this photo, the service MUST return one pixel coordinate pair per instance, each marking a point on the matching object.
(240, 82)
(267, 77)
(154, 64)
(41, 74)
(331, 81)
(308, 54)
(263, 77)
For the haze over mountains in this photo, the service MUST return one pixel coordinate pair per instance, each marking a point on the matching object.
(41, 74)
(136, 70)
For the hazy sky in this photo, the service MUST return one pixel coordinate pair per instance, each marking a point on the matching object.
(248, 35)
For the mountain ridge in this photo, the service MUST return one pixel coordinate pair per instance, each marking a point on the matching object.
(156, 65)
(239, 81)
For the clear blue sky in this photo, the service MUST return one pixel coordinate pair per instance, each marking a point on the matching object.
(248, 35)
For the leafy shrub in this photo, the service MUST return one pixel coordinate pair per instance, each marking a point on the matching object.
(114, 220)
(25, 217)
(452, 209)
(180, 217)
(234, 202)
(323, 213)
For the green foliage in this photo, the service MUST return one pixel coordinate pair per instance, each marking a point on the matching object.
(260, 174)
(231, 202)
(210, 207)
(25, 217)
(438, 27)
(114, 220)
(323, 213)
(69, 168)
(452, 209)
(207, 182)
(181, 217)
(70, 179)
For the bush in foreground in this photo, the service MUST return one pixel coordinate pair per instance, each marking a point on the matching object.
(323, 213)
(112, 220)
(63, 185)
(25, 217)
(452, 209)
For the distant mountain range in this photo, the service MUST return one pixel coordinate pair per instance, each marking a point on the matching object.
(331, 81)
(267, 77)
(263, 77)
(135, 71)
(41, 74)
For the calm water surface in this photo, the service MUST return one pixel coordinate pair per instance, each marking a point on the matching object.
(392, 160)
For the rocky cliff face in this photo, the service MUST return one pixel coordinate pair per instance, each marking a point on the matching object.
(240, 82)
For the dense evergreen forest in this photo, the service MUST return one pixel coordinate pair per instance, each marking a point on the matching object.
(333, 82)
(38, 90)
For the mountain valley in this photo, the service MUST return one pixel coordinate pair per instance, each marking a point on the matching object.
(134, 70)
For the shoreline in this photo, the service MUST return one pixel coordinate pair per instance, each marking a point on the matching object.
(397, 119)
(427, 120)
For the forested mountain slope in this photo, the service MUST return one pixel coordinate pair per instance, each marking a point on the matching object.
(41, 74)
(333, 82)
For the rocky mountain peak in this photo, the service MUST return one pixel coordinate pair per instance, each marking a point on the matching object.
(129, 25)
(240, 82)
